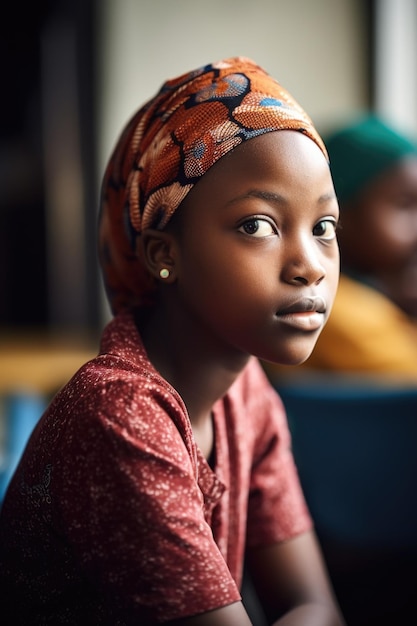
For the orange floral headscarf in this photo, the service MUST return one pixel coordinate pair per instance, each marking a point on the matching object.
(168, 145)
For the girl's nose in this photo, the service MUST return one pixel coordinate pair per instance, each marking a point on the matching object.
(303, 265)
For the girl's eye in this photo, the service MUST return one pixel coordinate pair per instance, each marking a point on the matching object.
(325, 229)
(257, 227)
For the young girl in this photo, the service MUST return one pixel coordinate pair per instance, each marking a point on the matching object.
(165, 461)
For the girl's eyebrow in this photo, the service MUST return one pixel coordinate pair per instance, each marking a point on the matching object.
(327, 197)
(276, 198)
(269, 196)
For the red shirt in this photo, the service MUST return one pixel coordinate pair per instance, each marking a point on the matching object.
(115, 517)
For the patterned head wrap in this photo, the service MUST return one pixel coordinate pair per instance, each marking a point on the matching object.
(168, 145)
(359, 152)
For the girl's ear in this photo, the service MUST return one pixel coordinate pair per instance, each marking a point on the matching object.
(158, 249)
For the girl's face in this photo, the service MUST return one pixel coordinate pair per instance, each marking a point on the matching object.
(258, 262)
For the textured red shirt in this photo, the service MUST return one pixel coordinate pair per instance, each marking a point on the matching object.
(115, 517)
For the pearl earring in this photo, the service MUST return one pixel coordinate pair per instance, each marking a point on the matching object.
(164, 272)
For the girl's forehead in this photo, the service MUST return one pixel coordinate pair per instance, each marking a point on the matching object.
(276, 169)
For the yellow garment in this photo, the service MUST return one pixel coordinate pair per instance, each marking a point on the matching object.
(365, 334)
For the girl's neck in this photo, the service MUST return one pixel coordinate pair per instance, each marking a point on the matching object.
(189, 360)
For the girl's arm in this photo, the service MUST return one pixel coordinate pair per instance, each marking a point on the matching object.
(231, 615)
(292, 583)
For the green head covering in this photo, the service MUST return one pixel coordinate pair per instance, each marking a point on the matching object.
(360, 152)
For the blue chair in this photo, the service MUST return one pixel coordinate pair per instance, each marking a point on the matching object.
(22, 411)
(355, 449)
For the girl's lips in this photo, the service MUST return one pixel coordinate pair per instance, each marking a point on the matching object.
(313, 304)
(303, 320)
(305, 314)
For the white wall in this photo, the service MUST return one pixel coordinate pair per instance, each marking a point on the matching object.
(396, 63)
(315, 48)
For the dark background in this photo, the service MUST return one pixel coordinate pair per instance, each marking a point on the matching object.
(24, 262)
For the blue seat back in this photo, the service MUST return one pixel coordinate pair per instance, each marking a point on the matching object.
(22, 411)
(356, 452)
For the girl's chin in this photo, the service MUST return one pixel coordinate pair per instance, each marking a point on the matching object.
(294, 356)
